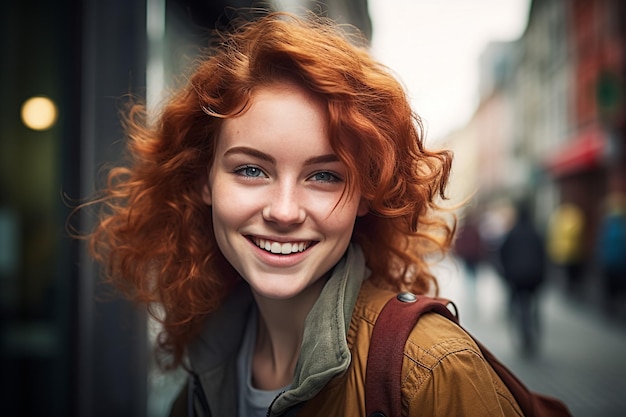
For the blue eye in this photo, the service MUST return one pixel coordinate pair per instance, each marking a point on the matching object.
(325, 176)
(250, 171)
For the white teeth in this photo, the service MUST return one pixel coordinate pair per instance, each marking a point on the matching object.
(281, 248)
(276, 248)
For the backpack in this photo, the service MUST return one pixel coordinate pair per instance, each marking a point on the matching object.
(384, 361)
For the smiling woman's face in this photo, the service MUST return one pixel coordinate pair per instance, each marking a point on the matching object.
(276, 190)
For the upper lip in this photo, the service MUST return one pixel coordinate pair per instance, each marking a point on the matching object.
(280, 239)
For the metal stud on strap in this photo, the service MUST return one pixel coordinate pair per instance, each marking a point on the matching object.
(407, 297)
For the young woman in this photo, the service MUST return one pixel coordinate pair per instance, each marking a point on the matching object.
(283, 196)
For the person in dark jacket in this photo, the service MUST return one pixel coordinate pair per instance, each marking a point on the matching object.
(523, 258)
(611, 247)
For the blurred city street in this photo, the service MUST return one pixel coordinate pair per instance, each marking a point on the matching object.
(529, 96)
(582, 354)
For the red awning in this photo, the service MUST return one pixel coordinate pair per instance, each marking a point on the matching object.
(579, 154)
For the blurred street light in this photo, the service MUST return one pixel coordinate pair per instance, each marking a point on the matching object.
(39, 113)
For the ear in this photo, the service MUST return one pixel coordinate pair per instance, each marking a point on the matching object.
(364, 208)
(206, 195)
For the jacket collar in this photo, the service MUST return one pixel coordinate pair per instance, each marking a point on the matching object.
(325, 352)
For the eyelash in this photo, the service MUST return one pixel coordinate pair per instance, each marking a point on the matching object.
(334, 178)
(242, 171)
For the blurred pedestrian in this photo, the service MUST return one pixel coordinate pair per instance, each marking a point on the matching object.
(565, 243)
(612, 249)
(522, 258)
(468, 245)
(469, 249)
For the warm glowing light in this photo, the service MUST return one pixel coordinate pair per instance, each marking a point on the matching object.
(39, 113)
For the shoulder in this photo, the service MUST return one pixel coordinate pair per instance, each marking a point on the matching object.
(443, 369)
(434, 337)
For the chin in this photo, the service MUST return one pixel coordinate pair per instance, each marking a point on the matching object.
(273, 293)
(280, 288)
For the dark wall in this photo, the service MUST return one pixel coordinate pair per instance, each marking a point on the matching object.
(38, 41)
(111, 333)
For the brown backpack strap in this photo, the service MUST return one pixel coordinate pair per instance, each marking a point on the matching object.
(384, 361)
(383, 376)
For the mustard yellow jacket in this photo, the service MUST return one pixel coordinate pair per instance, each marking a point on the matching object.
(444, 373)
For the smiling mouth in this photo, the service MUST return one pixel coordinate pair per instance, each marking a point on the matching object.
(281, 248)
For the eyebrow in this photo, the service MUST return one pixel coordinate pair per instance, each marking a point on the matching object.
(255, 153)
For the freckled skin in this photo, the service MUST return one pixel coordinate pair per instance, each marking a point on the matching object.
(276, 178)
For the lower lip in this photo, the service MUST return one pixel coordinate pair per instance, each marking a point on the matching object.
(279, 260)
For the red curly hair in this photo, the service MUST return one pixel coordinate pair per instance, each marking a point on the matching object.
(155, 234)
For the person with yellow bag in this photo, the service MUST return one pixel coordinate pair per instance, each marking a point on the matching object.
(564, 242)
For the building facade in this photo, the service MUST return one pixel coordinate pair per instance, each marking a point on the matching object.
(551, 113)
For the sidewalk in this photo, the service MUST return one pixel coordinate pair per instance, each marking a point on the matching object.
(582, 357)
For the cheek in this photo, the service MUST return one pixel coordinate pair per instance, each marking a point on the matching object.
(223, 205)
(232, 206)
(226, 223)
(222, 216)
(341, 222)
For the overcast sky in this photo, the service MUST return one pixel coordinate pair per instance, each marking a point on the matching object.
(434, 45)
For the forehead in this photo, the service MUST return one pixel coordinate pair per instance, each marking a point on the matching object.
(283, 112)
(288, 93)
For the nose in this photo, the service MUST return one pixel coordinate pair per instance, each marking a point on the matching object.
(284, 206)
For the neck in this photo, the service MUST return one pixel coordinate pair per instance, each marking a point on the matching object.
(279, 337)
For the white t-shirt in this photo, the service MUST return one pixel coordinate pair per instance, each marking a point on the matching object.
(252, 402)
